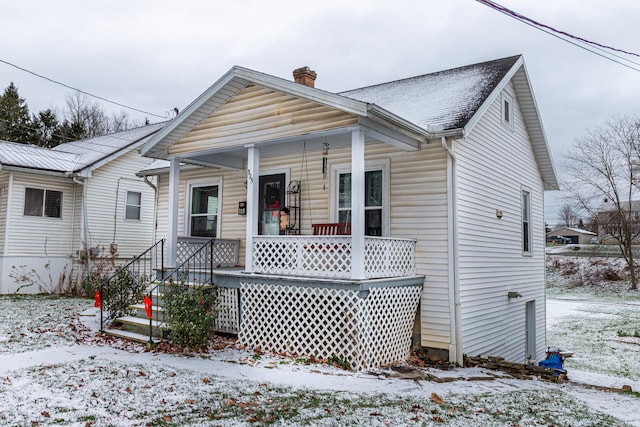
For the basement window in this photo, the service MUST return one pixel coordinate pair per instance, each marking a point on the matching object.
(43, 203)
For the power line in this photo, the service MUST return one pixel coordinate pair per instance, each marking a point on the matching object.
(79, 90)
(567, 37)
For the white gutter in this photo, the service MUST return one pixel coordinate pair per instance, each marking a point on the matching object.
(155, 206)
(83, 223)
(452, 225)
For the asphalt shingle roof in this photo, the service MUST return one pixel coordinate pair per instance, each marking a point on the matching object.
(442, 100)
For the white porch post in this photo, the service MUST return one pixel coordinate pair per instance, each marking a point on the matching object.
(253, 186)
(172, 232)
(357, 205)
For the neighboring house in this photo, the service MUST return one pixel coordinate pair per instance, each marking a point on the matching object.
(573, 236)
(610, 224)
(441, 178)
(57, 205)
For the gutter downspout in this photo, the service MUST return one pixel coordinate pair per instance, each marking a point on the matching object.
(83, 223)
(155, 206)
(452, 224)
(7, 219)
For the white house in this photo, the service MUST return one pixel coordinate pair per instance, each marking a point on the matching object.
(440, 176)
(57, 205)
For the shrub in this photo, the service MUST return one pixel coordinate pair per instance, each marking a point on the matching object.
(121, 292)
(191, 314)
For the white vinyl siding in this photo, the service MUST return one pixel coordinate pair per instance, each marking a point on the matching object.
(107, 203)
(256, 114)
(492, 164)
(39, 235)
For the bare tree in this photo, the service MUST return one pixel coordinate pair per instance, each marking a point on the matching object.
(605, 168)
(87, 119)
(568, 216)
(87, 115)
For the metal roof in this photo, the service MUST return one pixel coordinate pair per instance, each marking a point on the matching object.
(74, 156)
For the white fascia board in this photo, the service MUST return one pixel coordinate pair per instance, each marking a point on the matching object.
(390, 136)
(187, 112)
(34, 171)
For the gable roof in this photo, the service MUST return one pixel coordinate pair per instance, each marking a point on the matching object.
(73, 157)
(444, 103)
(443, 100)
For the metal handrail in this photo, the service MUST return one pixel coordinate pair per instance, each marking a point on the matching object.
(126, 268)
(193, 270)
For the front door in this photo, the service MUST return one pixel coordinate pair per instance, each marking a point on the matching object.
(271, 200)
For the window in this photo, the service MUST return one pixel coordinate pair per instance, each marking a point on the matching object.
(376, 197)
(132, 206)
(203, 216)
(507, 110)
(39, 202)
(526, 222)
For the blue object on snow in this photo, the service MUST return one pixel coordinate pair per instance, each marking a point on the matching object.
(553, 361)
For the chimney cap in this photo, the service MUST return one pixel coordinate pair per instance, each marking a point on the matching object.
(305, 75)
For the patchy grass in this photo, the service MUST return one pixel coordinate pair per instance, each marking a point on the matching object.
(114, 393)
(34, 322)
(105, 390)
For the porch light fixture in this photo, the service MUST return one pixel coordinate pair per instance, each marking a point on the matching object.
(513, 294)
(284, 219)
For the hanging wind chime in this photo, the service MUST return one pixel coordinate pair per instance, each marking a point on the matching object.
(325, 153)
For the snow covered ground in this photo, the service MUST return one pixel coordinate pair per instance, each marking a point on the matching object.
(54, 370)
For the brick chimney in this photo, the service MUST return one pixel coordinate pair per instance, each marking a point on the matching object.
(305, 76)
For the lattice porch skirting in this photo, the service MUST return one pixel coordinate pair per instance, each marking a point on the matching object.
(366, 328)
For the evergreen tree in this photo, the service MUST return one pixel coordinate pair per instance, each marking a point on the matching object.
(47, 132)
(15, 122)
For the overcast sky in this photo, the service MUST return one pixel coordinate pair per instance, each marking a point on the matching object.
(157, 55)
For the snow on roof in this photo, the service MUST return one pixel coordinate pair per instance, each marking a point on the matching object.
(445, 99)
(92, 150)
(31, 156)
(71, 156)
(575, 230)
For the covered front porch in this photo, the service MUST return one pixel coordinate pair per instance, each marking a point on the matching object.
(265, 176)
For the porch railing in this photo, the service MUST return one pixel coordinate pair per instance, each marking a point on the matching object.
(330, 256)
(224, 252)
(125, 286)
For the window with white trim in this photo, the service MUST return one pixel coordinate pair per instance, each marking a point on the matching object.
(203, 213)
(376, 216)
(133, 205)
(507, 110)
(43, 203)
(526, 222)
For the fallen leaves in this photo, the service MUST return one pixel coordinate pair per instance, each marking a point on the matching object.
(436, 399)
